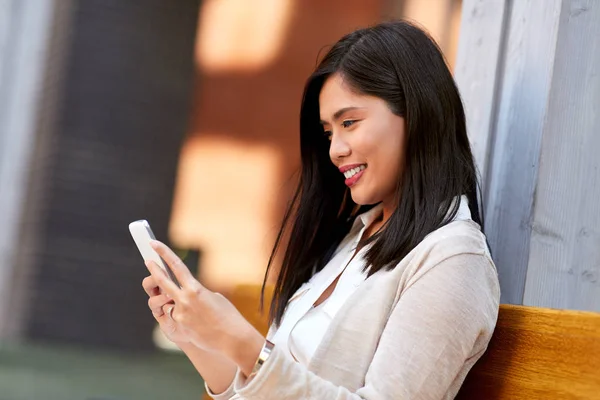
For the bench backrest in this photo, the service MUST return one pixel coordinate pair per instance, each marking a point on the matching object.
(539, 353)
(246, 298)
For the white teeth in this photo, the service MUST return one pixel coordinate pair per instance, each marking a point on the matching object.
(351, 172)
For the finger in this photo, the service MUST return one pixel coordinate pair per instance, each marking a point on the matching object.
(158, 314)
(182, 273)
(162, 280)
(155, 303)
(150, 286)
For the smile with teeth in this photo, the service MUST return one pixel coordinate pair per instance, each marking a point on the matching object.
(351, 172)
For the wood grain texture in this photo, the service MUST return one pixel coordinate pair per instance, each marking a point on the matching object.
(539, 353)
(564, 257)
(477, 67)
(526, 79)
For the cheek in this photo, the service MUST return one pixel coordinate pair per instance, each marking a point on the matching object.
(395, 156)
(388, 161)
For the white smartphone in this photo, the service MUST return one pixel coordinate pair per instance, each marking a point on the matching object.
(142, 235)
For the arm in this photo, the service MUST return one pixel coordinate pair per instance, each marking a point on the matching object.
(430, 335)
(217, 371)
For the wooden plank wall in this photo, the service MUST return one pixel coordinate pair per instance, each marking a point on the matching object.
(529, 78)
(564, 255)
(482, 29)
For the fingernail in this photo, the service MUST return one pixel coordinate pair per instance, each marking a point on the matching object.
(153, 244)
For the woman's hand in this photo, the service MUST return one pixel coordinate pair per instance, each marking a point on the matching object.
(211, 322)
(161, 305)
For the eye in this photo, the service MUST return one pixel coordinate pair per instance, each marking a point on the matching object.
(328, 135)
(348, 123)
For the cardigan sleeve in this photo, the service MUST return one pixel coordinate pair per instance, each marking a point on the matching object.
(226, 395)
(442, 321)
(238, 380)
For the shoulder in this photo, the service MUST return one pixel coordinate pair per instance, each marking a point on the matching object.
(460, 249)
(454, 239)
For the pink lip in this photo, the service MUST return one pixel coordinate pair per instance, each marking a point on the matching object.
(352, 181)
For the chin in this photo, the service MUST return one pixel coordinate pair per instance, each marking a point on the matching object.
(361, 198)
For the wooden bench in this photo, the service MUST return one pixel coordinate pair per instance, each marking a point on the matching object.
(535, 353)
(539, 353)
(246, 298)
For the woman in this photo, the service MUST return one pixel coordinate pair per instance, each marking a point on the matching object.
(387, 289)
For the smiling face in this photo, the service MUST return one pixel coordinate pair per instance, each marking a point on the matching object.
(367, 141)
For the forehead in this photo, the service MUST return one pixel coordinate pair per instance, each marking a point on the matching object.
(335, 94)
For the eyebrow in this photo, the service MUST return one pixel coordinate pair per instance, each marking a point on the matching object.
(340, 112)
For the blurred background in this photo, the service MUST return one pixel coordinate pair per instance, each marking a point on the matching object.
(185, 113)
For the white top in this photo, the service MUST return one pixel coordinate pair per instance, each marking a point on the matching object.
(303, 326)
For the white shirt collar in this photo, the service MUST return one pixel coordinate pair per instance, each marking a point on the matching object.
(463, 213)
(368, 217)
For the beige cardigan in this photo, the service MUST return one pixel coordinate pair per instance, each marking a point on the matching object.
(410, 333)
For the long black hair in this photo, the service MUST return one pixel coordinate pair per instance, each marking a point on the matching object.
(399, 63)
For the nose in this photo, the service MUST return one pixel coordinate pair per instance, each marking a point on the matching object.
(338, 149)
